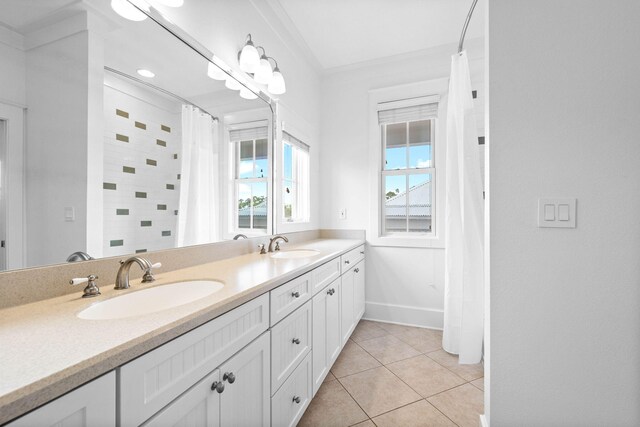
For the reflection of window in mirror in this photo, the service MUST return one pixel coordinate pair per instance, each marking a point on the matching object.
(250, 147)
(295, 179)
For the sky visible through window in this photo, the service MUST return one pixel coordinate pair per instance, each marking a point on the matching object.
(396, 158)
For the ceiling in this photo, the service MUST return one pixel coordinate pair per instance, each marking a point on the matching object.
(18, 15)
(345, 32)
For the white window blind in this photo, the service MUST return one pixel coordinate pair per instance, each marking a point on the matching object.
(295, 141)
(261, 132)
(408, 114)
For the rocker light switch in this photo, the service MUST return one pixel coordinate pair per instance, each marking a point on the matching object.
(557, 213)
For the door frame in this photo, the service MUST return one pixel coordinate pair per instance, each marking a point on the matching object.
(14, 173)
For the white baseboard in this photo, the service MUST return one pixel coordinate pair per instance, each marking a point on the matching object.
(483, 421)
(404, 315)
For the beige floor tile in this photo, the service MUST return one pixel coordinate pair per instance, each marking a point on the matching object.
(367, 423)
(392, 328)
(367, 330)
(378, 391)
(388, 349)
(353, 359)
(332, 407)
(450, 361)
(329, 377)
(479, 383)
(462, 404)
(419, 414)
(425, 376)
(423, 340)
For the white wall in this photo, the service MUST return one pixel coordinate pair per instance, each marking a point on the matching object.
(12, 68)
(404, 285)
(565, 303)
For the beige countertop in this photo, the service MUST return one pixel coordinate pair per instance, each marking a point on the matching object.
(46, 350)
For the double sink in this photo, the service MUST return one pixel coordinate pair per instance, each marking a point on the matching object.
(164, 297)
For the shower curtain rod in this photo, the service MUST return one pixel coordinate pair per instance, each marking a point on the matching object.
(159, 89)
(466, 25)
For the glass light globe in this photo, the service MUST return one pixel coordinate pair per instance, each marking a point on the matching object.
(276, 85)
(264, 73)
(232, 84)
(247, 94)
(127, 10)
(215, 73)
(249, 58)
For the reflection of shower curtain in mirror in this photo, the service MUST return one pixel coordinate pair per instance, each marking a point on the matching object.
(464, 251)
(198, 209)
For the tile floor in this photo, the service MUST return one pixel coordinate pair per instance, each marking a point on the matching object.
(393, 375)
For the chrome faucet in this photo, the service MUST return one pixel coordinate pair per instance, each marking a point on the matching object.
(275, 240)
(237, 236)
(122, 278)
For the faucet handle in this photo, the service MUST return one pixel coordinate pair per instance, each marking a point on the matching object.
(262, 250)
(147, 277)
(91, 290)
(277, 246)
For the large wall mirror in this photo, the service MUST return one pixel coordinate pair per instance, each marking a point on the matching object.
(116, 138)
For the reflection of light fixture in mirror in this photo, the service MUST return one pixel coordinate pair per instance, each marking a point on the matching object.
(146, 73)
(170, 3)
(264, 73)
(215, 72)
(249, 58)
(247, 94)
(127, 10)
(232, 83)
(276, 85)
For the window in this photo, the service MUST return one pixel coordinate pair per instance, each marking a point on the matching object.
(295, 179)
(251, 177)
(408, 170)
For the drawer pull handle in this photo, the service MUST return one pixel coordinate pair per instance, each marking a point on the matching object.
(295, 294)
(361, 252)
(331, 291)
(346, 262)
(229, 376)
(357, 270)
(217, 386)
(296, 399)
(295, 341)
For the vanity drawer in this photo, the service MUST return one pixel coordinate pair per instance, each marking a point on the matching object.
(151, 381)
(290, 402)
(290, 342)
(325, 274)
(289, 296)
(351, 258)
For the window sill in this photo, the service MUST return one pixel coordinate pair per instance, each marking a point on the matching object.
(415, 241)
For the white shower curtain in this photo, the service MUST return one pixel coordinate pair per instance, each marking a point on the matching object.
(198, 209)
(464, 253)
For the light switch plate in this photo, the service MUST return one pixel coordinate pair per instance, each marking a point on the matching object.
(557, 213)
(342, 213)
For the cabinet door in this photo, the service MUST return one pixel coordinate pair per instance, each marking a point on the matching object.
(320, 362)
(246, 397)
(200, 406)
(358, 291)
(334, 340)
(93, 404)
(347, 315)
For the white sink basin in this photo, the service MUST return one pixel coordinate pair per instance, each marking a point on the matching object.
(299, 253)
(151, 300)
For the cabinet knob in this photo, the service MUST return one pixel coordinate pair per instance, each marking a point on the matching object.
(295, 341)
(361, 252)
(229, 376)
(296, 399)
(347, 262)
(217, 386)
(331, 291)
(357, 270)
(295, 294)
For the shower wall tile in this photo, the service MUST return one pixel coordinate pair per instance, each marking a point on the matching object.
(138, 174)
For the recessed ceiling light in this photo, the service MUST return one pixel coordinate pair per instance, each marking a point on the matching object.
(146, 73)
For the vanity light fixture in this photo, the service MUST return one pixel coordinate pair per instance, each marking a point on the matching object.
(215, 72)
(247, 94)
(264, 73)
(170, 3)
(276, 85)
(146, 73)
(127, 10)
(233, 84)
(249, 58)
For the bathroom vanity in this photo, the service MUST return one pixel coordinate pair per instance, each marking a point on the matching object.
(253, 353)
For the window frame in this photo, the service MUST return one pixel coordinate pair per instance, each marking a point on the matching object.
(425, 92)
(407, 171)
(295, 184)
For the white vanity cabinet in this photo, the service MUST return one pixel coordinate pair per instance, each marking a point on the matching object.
(327, 341)
(236, 394)
(93, 404)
